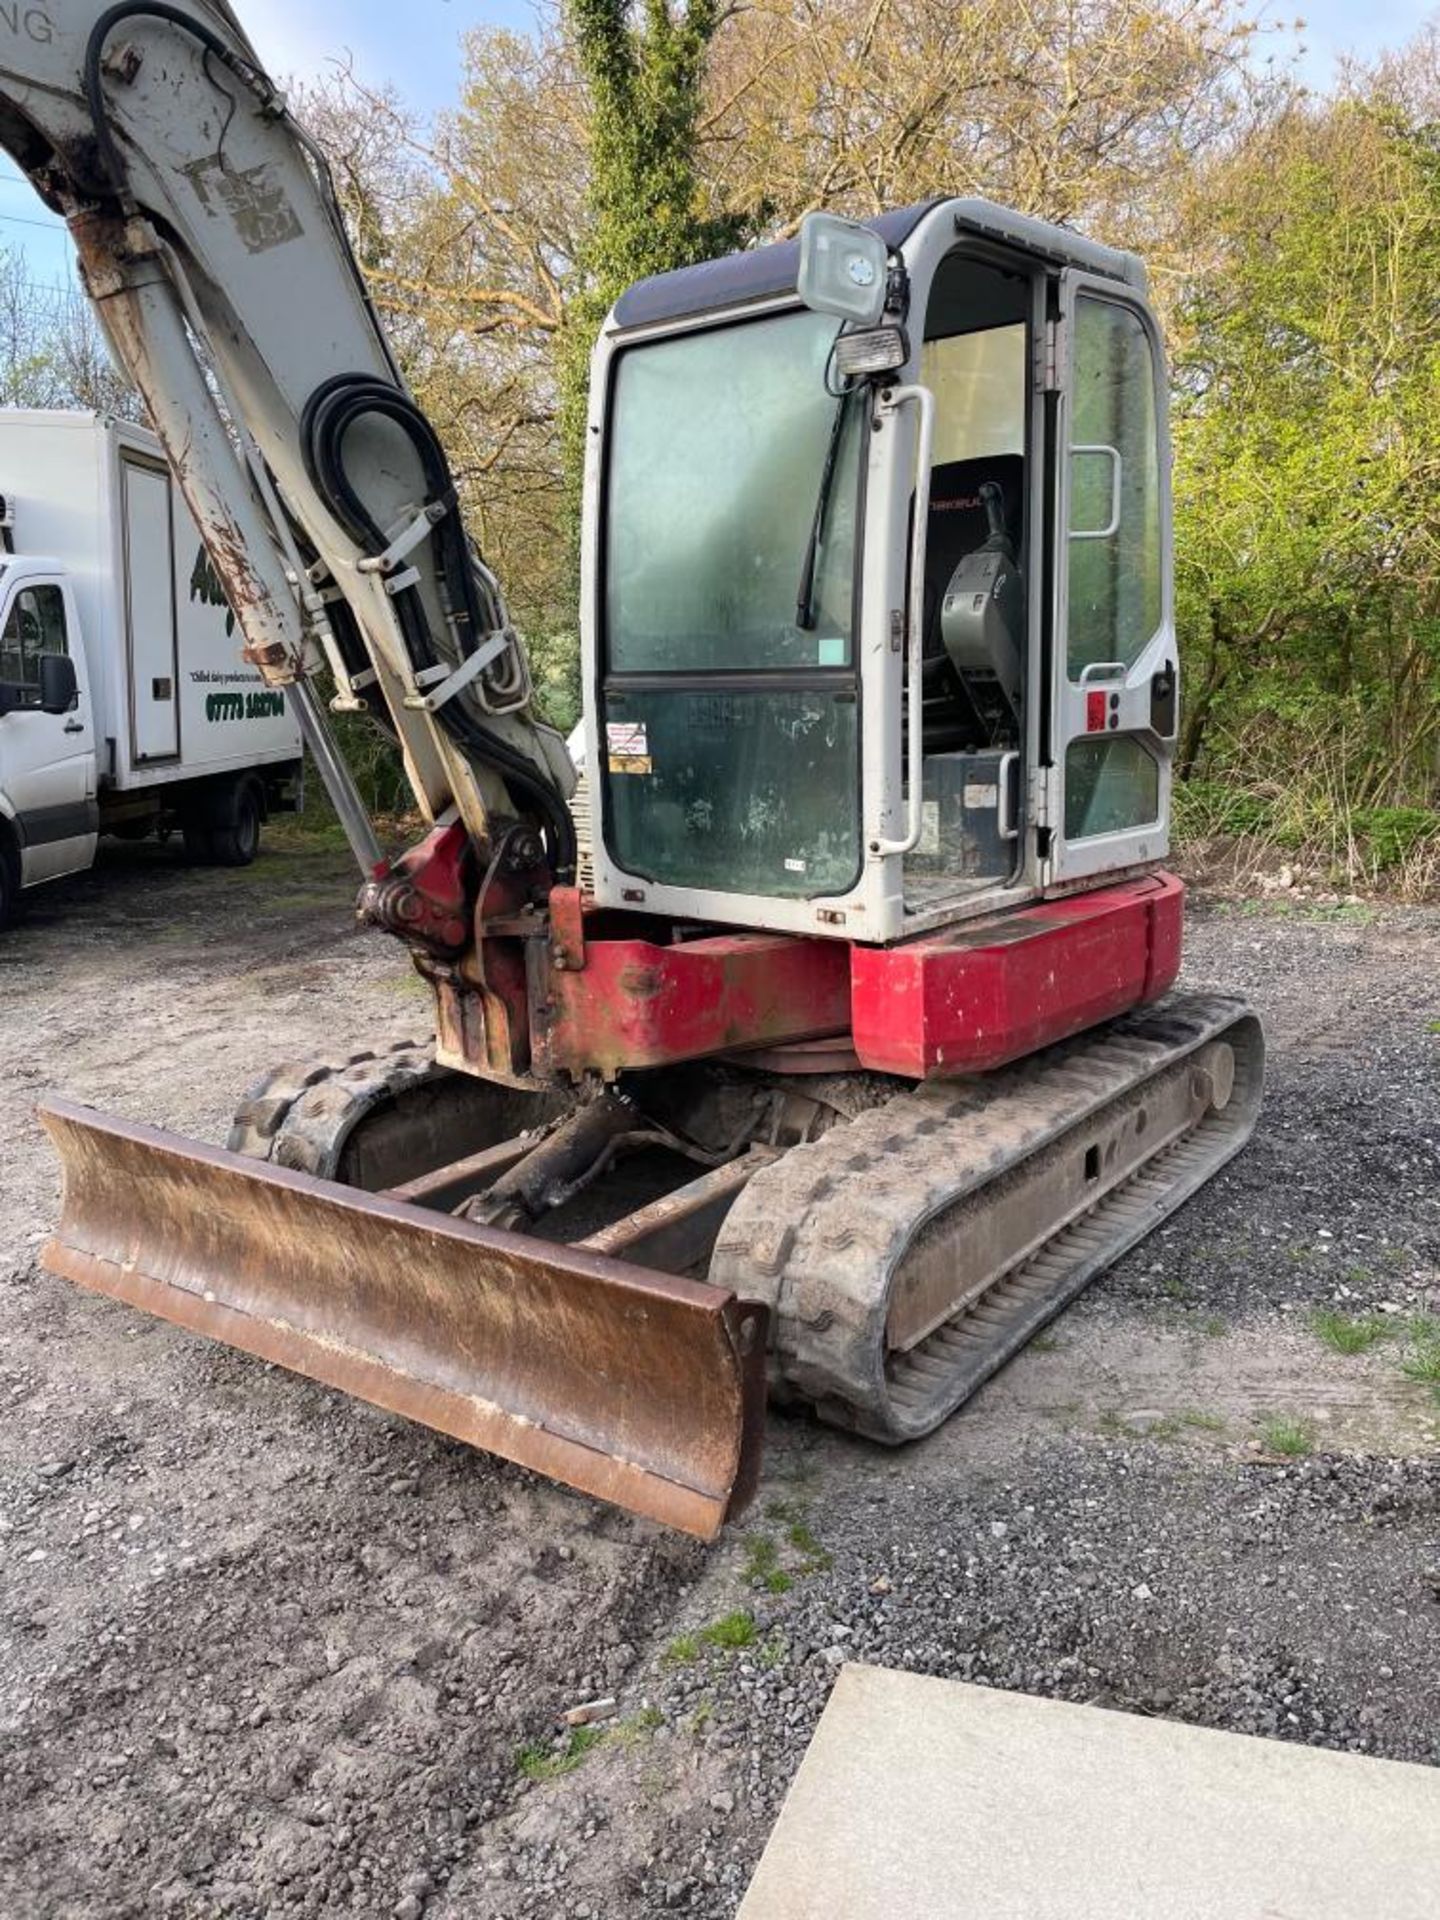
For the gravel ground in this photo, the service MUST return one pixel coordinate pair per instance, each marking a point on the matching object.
(266, 1652)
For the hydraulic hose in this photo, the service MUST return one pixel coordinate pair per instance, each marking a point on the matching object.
(333, 408)
(246, 71)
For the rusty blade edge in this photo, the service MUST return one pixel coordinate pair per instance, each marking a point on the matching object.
(479, 1423)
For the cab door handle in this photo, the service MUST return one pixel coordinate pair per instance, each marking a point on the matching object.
(74, 726)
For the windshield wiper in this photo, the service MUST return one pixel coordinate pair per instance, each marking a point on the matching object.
(805, 593)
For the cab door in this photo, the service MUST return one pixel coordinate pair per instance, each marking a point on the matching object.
(47, 760)
(1115, 685)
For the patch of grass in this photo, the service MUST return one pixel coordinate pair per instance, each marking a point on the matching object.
(1214, 1327)
(729, 1634)
(1344, 913)
(312, 831)
(816, 1559)
(1432, 1026)
(1292, 1438)
(731, 1631)
(639, 1726)
(762, 1555)
(702, 1716)
(1174, 1288)
(762, 1564)
(1423, 1363)
(1203, 1422)
(1046, 1343)
(1168, 1426)
(772, 1652)
(407, 985)
(1349, 1333)
(1332, 913)
(540, 1761)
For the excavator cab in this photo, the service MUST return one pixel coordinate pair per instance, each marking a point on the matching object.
(821, 1039)
(897, 579)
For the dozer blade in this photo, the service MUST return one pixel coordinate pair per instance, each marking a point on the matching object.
(640, 1388)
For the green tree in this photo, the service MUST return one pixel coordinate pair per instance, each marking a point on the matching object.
(644, 68)
(1307, 354)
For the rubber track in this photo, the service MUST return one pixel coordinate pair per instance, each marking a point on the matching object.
(300, 1114)
(820, 1235)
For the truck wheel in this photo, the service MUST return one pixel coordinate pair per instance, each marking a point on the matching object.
(235, 837)
(9, 886)
(197, 843)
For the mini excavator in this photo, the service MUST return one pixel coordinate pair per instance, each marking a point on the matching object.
(808, 1031)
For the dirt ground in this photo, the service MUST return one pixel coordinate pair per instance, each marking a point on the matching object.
(266, 1652)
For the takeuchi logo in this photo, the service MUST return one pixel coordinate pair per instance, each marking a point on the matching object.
(205, 587)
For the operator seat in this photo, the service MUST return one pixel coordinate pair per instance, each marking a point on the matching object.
(957, 715)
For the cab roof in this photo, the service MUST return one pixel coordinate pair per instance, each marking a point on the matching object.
(761, 273)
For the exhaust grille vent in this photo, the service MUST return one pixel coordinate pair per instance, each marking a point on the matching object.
(580, 814)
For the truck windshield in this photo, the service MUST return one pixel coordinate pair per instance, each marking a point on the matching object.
(731, 729)
(718, 446)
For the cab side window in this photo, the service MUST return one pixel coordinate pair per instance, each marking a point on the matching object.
(36, 626)
(1115, 550)
(1115, 556)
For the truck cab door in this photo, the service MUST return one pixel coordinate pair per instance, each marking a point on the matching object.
(47, 760)
(1114, 692)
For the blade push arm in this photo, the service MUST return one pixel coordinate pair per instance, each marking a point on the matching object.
(210, 241)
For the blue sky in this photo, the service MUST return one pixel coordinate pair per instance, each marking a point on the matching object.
(298, 37)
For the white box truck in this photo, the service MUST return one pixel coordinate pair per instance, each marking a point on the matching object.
(125, 706)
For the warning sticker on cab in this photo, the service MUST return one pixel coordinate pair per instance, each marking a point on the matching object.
(628, 746)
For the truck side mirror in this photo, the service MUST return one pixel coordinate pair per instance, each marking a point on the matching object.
(843, 269)
(58, 688)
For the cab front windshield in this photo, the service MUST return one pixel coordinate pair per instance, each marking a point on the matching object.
(730, 695)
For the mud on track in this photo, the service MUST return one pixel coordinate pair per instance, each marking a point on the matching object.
(263, 1651)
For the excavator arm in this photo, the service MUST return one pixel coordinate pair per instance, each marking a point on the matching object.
(212, 245)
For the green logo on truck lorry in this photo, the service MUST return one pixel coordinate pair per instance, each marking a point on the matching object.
(205, 587)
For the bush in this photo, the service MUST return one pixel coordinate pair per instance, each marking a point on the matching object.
(1311, 779)
(1392, 834)
(1204, 809)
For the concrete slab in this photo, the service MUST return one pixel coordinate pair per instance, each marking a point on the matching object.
(923, 1799)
